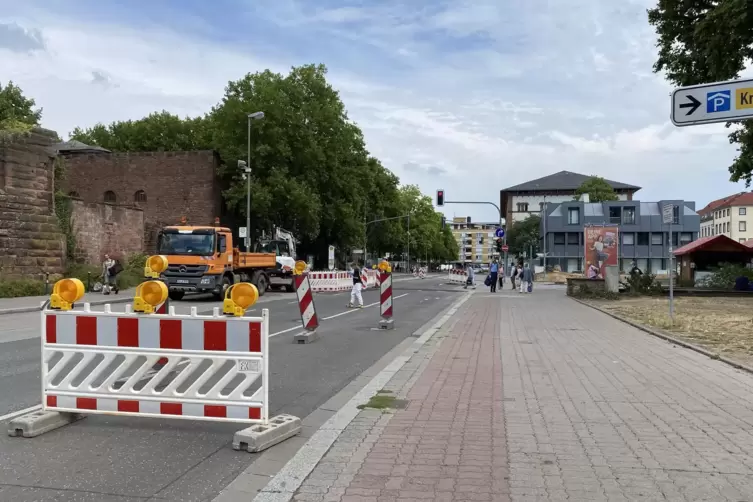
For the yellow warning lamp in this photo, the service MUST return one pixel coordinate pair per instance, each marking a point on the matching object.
(148, 296)
(154, 266)
(65, 293)
(300, 266)
(238, 298)
(385, 266)
(373, 267)
(217, 221)
(183, 220)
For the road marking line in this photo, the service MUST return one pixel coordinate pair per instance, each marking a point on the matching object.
(286, 331)
(365, 306)
(20, 412)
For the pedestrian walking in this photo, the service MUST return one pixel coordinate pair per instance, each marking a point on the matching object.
(356, 300)
(513, 275)
(493, 271)
(526, 282)
(471, 281)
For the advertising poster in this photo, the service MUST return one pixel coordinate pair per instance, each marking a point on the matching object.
(601, 249)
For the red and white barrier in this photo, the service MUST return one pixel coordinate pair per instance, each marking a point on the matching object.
(340, 281)
(93, 361)
(306, 305)
(457, 276)
(385, 295)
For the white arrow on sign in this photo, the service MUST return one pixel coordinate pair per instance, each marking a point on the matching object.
(710, 103)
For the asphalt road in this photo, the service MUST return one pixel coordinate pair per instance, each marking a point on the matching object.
(106, 458)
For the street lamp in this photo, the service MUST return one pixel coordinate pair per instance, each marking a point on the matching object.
(247, 171)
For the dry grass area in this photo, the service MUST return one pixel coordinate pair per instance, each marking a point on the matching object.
(721, 325)
(555, 277)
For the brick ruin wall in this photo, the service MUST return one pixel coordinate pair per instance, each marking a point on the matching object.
(106, 229)
(31, 243)
(166, 185)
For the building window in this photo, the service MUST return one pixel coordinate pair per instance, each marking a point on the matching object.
(110, 197)
(573, 238)
(522, 207)
(726, 227)
(675, 237)
(643, 238)
(742, 240)
(742, 226)
(686, 238)
(628, 239)
(628, 216)
(74, 195)
(657, 239)
(615, 214)
(139, 196)
(676, 214)
(742, 211)
(559, 238)
(573, 216)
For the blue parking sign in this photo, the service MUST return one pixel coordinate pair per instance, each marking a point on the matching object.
(718, 101)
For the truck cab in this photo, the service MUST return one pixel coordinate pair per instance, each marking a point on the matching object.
(202, 259)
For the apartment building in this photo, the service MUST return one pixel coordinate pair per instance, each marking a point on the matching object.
(641, 234)
(475, 240)
(729, 216)
(521, 201)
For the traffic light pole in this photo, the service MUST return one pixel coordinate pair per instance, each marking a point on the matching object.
(501, 218)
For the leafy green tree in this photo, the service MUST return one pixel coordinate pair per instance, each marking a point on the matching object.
(17, 112)
(524, 234)
(702, 41)
(158, 131)
(306, 132)
(598, 190)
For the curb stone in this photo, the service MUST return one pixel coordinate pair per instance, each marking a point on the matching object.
(669, 338)
(23, 310)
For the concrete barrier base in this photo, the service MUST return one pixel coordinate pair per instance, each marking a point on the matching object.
(260, 437)
(38, 422)
(386, 324)
(306, 337)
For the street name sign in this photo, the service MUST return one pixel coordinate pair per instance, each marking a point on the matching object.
(711, 103)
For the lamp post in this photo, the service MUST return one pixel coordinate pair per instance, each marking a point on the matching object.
(247, 171)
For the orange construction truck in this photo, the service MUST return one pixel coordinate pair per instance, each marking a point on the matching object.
(203, 259)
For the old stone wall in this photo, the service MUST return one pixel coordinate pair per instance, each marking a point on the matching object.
(31, 242)
(106, 229)
(166, 185)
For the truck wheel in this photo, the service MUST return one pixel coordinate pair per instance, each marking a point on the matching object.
(176, 295)
(226, 283)
(261, 283)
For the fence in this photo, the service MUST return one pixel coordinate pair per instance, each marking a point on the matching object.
(212, 368)
(339, 281)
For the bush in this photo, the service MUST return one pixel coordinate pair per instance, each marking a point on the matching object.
(725, 275)
(131, 276)
(21, 287)
(587, 293)
(643, 284)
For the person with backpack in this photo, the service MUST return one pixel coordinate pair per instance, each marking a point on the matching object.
(110, 270)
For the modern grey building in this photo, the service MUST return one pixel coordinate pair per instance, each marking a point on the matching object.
(642, 235)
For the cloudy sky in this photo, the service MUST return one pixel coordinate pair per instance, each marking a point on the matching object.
(467, 95)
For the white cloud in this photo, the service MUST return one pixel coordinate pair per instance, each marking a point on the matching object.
(472, 96)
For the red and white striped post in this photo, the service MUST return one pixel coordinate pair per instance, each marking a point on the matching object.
(309, 319)
(385, 298)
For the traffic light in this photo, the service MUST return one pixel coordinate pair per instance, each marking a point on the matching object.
(440, 198)
(498, 245)
(444, 222)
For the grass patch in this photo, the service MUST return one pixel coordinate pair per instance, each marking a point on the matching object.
(21, 287)
(379, 402)
(720, 325)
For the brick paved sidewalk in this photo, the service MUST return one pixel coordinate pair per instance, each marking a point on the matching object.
(448, 444)
(539, 398)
